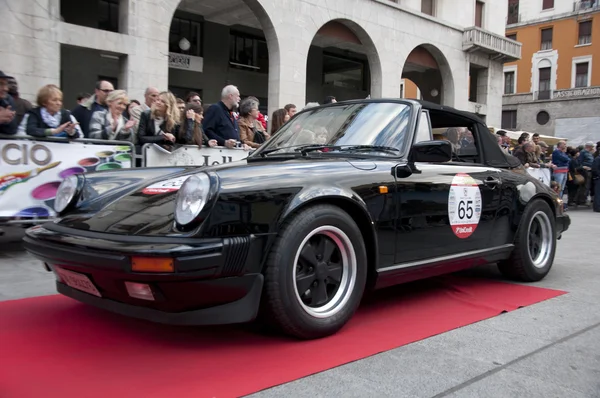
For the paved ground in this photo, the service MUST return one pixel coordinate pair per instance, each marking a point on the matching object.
(551, 349)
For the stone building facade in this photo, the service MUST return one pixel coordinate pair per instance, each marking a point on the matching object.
(555, 88)
(454, 53)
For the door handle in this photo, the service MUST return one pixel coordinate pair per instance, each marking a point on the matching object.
(492, 182)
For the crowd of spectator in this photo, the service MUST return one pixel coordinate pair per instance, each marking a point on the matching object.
(575, 171)
(161, 118)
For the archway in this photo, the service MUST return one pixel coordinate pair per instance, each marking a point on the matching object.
(214, 43)
(342, 62)
(429, 71)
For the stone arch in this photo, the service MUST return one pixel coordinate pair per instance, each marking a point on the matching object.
(440, 81)
(259, 10)
(347, 34)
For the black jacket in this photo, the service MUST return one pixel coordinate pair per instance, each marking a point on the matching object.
(219, 124)
(36, 127)
(83, 114)
(9, 128)
(147, 131)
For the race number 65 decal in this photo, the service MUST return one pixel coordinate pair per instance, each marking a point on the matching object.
(464, 205)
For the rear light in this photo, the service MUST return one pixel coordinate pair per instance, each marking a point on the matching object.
(152, 264)
(139, 290)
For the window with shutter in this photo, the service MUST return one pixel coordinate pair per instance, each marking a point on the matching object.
(546, 39)
(512, 36)
(544, 83)
(509, 82)
(585, 32)
(479, 14)
(581, 74)
(427, 7)
(513, 12)
(547, 4)
(509, 120)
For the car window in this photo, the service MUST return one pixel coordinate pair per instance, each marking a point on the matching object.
(424, 128)
(464, 145)
(378, 123)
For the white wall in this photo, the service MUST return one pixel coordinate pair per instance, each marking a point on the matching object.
(31, 51)
(532, 9)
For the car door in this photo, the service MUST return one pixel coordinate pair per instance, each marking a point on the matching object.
(445, 208)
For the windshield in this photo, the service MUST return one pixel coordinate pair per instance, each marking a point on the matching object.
(378, 124)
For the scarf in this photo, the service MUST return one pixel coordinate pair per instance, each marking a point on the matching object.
(52, 121)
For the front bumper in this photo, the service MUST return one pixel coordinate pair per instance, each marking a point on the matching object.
(216, 281)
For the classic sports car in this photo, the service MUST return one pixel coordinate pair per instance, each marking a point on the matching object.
(344, 198)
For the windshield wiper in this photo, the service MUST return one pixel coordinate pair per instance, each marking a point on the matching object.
(347, 148)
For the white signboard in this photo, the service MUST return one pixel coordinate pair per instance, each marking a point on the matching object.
(31, 171)
(191, 155)
(186, 62)
(541, 174)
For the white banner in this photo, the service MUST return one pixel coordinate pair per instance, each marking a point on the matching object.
(190, 155)
(541, 174)
(31, 171)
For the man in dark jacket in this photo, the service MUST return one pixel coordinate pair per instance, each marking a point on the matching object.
(22, 106)
(97, 102)
(219, 122)
(8, 114)
(596, 178)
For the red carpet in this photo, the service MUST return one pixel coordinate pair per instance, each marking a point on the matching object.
(53, 346)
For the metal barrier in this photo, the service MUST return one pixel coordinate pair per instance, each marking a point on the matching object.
(32, 168)
(189, 155)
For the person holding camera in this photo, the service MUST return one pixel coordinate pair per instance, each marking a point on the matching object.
(49, 119)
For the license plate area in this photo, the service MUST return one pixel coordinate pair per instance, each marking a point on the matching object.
(77, 281)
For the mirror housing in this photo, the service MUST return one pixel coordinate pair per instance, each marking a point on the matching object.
(431, 152)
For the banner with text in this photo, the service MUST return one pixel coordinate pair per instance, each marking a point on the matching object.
(31, 172)
(541, 174)
(191, 155)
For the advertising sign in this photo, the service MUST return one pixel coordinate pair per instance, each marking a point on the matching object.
(191, 155)
(31, 172)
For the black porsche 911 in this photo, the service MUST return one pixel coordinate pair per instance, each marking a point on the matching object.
(346, 197)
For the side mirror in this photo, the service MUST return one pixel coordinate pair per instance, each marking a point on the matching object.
(431, 152)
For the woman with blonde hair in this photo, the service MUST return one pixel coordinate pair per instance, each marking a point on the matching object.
(112, 124)
(49, 119)
(161, 123)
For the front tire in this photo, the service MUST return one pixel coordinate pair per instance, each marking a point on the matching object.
(315, 274)
(535, 245)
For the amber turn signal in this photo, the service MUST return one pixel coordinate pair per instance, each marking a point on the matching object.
(383, 189)
(152, 264)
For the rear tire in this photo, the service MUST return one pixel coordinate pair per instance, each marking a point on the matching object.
(315, 274)
(535, 245)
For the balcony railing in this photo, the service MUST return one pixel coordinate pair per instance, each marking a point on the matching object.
(586, 5)
(501, 48)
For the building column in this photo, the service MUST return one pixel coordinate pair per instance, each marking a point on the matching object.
(287, 70)
(28, 47)
(147, 23)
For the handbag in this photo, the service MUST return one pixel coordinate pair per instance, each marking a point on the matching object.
(578, 179)
(259, 137)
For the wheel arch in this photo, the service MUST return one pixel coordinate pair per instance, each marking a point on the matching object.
(538, 197)
(358, 212)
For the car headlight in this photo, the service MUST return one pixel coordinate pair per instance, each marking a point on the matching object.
(191, 198)
(65, 193)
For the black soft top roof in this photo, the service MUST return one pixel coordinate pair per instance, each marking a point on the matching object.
(445, 116)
